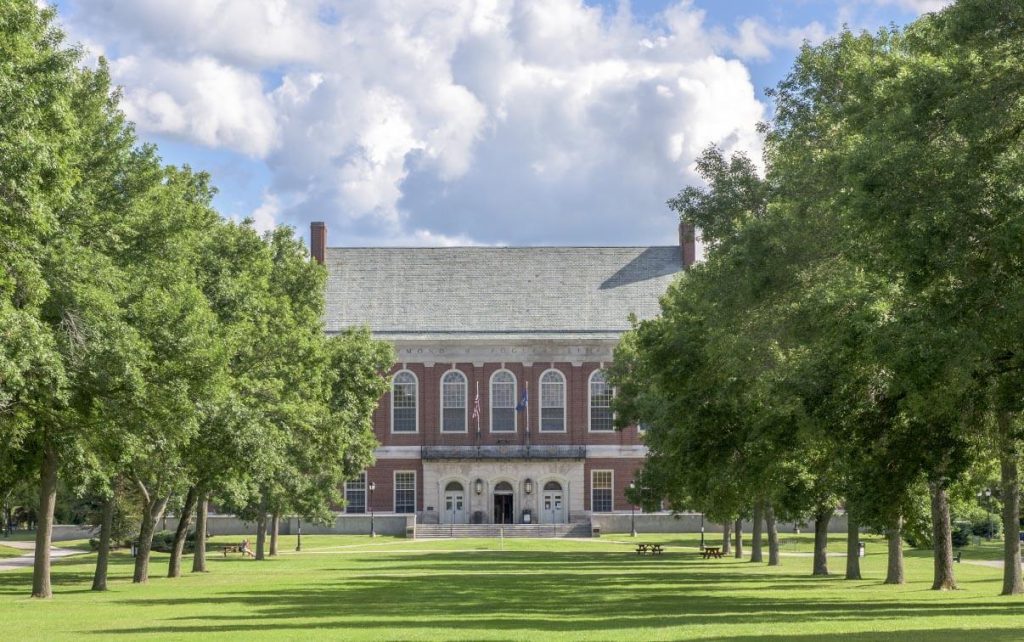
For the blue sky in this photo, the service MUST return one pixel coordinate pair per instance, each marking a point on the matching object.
(432, 122)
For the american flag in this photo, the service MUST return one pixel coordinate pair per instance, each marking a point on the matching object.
(476, 404)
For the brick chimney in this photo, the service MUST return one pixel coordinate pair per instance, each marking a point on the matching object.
(318, 241)
(687, 243)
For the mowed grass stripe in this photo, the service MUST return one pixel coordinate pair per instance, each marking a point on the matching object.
(534, 589)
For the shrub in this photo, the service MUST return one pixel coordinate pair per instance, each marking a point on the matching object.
(163, 541)
(986, 526)
(962, 531)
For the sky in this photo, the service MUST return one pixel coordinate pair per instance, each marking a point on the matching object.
(459, 122)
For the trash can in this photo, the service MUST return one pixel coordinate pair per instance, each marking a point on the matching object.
(135, 549)
(527, 516)
(860, 547)
(596, 532)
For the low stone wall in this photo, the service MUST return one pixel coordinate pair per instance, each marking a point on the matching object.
(385, 524)
(690, 523)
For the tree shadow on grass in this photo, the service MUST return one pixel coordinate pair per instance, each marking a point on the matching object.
(558, 600)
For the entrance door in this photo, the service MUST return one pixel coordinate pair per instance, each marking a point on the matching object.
(552, 507)
(503, 510)
(454, 504)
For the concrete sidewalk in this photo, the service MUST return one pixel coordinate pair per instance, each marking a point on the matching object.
(26, 560)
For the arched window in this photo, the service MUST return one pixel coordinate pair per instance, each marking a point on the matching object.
(403, 402)
(600, 403)
(453, 486)
(503, 402)
(552, 402)
(453, 402)
(552, 485)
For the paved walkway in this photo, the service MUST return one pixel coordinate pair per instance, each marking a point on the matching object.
(989, 563)
(28, 559)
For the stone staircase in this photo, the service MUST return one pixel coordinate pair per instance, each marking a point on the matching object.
(433, 531)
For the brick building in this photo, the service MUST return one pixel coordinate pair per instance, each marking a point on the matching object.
(497, 322)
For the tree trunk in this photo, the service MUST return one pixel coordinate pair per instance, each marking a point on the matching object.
(199, 557)
(852, 548)
(942, 539)
(152, 511)
(1010, 486)
(261, 535)
(726, 527)
(181, 533)
(99, 578)
(773, 534)
(756, 533)
(894, 573)
(275, 523)
(738, 534)
(821, 521)
(44, 527)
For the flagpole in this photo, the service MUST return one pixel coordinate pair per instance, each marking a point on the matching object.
(527, 409)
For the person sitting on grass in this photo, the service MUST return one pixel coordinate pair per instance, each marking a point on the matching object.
(246, 549)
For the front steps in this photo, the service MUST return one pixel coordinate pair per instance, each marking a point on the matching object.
(433, 531)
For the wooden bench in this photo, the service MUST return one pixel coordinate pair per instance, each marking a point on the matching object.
(712, 551)
(653, 549)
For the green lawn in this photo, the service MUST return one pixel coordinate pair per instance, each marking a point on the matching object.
(354, 588)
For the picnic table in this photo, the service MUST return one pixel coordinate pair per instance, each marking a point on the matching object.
(712, 551)
(653, 549)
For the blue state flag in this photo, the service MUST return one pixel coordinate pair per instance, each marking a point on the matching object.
(523, 401)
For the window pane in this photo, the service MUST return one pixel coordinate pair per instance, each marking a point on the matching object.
(503, 419)
(601, 491)
(454, 420)
(600, 403)
(453, 402)
(405, 492)
(355, 495)
(403, 402)
(503, 402)
(552, 402)
(552, 419)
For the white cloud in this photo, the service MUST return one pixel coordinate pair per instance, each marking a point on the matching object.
(199, 99)
(528, 120)
(756, 40)
(918, 6)
(264, 217)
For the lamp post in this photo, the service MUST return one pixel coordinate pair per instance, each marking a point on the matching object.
(370, 487)
(987, 495)
(702, 531)
(632, 510)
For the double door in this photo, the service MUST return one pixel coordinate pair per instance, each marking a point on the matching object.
(552, 507)
(454, 507)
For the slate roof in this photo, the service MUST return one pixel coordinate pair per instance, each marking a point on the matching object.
(495, 291)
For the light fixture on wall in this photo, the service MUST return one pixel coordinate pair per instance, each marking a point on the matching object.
(478, 486)
(528, 485)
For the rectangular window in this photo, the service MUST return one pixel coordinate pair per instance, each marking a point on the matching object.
(405, 492)
(601, 491)
(355, 494)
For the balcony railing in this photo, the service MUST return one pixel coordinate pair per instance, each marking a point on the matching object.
(508, 451)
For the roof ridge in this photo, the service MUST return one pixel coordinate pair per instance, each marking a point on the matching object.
(497, 247)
